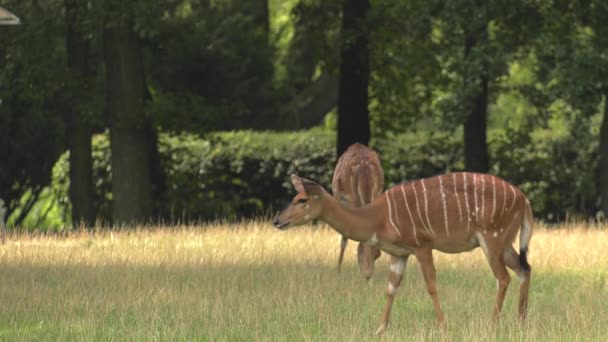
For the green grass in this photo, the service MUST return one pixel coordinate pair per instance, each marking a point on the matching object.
(251, 282)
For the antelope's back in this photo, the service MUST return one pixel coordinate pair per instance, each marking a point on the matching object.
(459, 201)
(358, 176)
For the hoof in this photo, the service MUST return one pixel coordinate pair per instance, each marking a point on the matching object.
(381, 329)
(442, 326)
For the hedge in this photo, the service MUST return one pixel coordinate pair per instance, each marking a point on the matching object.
(243, 174)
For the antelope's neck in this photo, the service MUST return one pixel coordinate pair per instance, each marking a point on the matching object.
(357, 224)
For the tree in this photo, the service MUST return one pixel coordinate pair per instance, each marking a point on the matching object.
(596, 14)
(78, 125)
(129, 123)
(573, 50)
(353, 112)
(311, 68)
(476, 41)
(405, 68)
(476, 157)
(603, 157)
(210, 66)
(259, 15)
(31, 85)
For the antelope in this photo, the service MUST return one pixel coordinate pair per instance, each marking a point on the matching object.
(358, 179)
(451, 213)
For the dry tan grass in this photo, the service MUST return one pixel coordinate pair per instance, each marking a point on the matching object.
(249, 281)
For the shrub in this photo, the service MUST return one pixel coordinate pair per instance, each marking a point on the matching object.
(242, 174)
(226, 175)
(559, 174)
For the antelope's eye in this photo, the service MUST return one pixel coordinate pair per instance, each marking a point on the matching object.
(302, 200)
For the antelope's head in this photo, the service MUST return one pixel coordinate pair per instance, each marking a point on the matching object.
(304, 207)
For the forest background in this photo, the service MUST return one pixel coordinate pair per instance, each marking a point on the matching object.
(119, 112)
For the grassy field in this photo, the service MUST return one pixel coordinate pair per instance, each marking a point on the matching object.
(250, 282)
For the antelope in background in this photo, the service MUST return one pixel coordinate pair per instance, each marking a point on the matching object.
(451, 213)
(358, 179)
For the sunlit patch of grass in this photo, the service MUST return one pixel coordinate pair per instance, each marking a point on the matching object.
(248, 281)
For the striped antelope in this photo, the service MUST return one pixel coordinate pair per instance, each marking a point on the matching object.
(451, 213)
(358, 179)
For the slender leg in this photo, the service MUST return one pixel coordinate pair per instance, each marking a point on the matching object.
(503, 278)
(366, 258)
(343, 244)
(512, 261)
(394, 280)
(375, 252)
(497, 263)
(425, 257)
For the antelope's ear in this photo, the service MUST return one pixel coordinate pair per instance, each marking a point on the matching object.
(311, 188)
(297, 183)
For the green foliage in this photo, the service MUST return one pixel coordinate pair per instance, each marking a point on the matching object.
(405, 70)
(101, 177)
(31, 122)
(239, 174)
(411, 156)
(210, 66)
(45, 214)
(226, 175)
(233, 175)
(557, 172)
(313, 42)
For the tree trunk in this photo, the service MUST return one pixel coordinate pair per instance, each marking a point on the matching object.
(309, 107)
(604, 159)
(129, 125)
(79, 130)
(353, 114)
(157, 174)
(476, 156)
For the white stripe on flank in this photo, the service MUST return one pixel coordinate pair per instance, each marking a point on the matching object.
(513, 203)
(395, 202)
(362, 200)
(504, 198)
(466, 201)
(445, 208)
(483, 194)
(426, 206)
(418, 210)
(475, 193)
(390, 214)
(407, 206)
(457, 199)
(493, 199)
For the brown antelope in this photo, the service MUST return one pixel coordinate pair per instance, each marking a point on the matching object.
(451, 213)
(358, 179)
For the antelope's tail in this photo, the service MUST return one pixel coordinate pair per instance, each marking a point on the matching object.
(525, 235)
